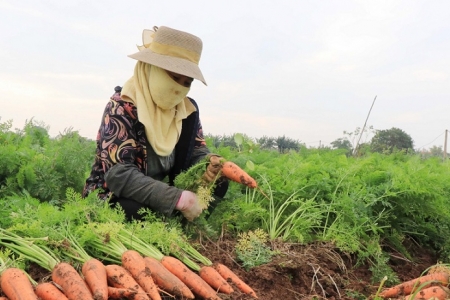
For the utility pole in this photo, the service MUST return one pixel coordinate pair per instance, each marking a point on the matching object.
(362, 130)
(445, 144)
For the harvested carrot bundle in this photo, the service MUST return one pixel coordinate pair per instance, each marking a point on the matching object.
(166, 280)
(72, 284)
(229, 275)
(16, 285)
(434, 292)
(94, 274)
(48, 291)
(134, 263)
(192, 280)
(233, 172)
(119, 277)
(213, 278)
(408, 287)
(119, 293)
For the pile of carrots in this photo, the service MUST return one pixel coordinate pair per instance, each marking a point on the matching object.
(429, 286)
(137, 278)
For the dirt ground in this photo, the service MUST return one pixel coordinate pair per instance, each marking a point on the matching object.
(303, 272)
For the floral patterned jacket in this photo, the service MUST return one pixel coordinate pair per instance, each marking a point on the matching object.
(121, 167)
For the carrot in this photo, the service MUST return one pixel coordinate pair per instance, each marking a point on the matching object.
(134, 263)
(119, 293)
(73, 286)
(119, 277)
(434, 292)
(229, 275)
(192, 280)
(213, 278)
(233, 172)
(407, 287)
(48, 291)
(166, 280)
(16, 285)
(94, 274)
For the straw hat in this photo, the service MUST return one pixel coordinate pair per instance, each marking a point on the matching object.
(172, 50)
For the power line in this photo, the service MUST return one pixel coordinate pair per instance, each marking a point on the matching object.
(432, 140)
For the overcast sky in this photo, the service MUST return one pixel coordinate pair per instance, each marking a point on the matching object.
(308, 70)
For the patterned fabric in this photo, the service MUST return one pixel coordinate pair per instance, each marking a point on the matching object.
(121, 139)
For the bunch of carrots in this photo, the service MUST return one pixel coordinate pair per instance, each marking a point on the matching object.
(133, 276)
(138, 278)
(429, 286)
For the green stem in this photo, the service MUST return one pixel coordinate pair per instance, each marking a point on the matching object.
(40, 255)
(135, 243)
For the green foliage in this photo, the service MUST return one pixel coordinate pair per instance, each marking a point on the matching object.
(389, 140)
(31, 161)
(360, 204)
(251, 248)
(343, 143)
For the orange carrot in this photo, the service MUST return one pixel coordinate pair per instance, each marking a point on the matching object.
(134, 263)
(192, 280)
(408, 287)
(16, 285)
(72, 284)
(119, 277)
(229, 275)
(233, 172)
(119, 293)
(434, 292)
(48, 291)
(166, 280)
(94, 274)
(213, 278)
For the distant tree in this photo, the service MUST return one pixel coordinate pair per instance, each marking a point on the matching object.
(389, 140)
(221, 140)
(266, 142)
(351, 138)
(285, 144)
(359, 135)
(435, 151)
(342, 143)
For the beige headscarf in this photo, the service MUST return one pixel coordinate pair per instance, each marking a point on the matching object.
(161, 105)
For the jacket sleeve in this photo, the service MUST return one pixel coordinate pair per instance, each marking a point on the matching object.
(125, 180)
(123, 177)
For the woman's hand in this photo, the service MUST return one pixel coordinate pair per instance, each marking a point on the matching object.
(213, 168)
(189, 206)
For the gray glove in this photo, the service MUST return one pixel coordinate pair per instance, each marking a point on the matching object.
(189, 206)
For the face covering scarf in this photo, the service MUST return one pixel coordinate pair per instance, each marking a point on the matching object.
(161, 105)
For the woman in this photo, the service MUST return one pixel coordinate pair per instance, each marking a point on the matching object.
(151, 130)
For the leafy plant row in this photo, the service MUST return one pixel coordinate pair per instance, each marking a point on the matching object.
(85, 236)
(365, 205)
(31, 162)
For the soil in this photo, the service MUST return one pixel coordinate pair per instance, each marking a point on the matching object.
(316, 271)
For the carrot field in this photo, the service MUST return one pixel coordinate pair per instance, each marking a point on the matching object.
(317, 223)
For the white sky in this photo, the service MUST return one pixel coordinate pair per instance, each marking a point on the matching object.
(308, 70)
